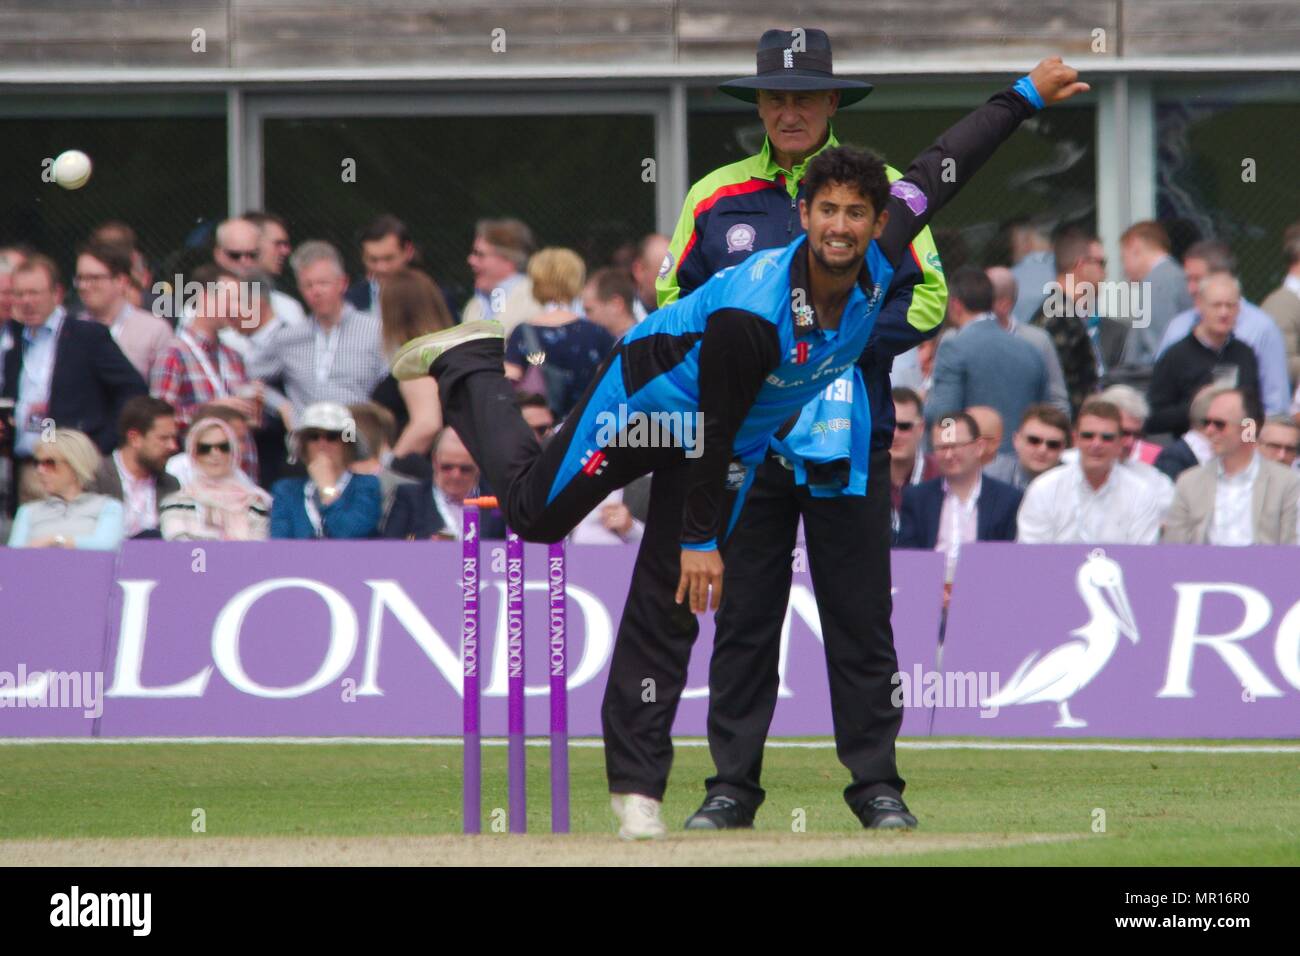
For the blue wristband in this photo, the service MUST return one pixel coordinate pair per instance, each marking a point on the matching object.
(1025, 87)
(710, 545)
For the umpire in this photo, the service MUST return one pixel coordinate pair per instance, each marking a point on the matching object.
(844, 503)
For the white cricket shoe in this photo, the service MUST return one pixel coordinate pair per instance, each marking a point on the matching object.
(638, 816)
(414, 358)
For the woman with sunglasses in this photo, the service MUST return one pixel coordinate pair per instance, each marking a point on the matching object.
(331, 502)
(217, 503)
(68, 517)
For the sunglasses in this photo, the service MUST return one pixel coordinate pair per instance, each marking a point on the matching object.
(47, 463)
(312, 435)
(904, 426)
(1055, 444)
(1106, 437)
(1214, 423)
(240, 254)
(204, 448)
(463, 469)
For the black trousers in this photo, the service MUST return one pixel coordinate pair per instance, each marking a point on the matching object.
(655, 636)
(848, 552)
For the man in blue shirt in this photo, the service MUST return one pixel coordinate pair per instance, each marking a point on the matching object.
(694, 395)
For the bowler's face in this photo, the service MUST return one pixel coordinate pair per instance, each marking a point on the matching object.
(840, 224)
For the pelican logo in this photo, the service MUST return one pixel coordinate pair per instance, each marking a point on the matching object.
(1059, 674)
(740, 237)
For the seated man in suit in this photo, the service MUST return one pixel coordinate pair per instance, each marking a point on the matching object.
(962, 504)
(136, 473)
(58, 369)
(1240, 497)
(455, 478)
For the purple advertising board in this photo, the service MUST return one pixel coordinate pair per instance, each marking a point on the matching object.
(310, 639)
(1123, 641)
(54, 631)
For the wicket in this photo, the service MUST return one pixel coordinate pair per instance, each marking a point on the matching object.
(556, 667)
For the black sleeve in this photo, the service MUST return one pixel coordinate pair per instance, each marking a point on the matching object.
(739, 350)
(1169, 407)
(968, 143)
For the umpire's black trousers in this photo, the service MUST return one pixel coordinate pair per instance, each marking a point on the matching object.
(655, 636)
(848, 552)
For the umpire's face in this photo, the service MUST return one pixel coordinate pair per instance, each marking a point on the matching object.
(797, 120)
(840, 224)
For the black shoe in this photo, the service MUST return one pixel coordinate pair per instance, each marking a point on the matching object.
(721, 813)
(886, 812)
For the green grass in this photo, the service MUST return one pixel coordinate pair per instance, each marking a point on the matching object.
(1166, 808)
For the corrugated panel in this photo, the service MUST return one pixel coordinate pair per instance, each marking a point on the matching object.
(1189, 27)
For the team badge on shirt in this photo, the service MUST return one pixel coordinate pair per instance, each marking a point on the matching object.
(740, 237)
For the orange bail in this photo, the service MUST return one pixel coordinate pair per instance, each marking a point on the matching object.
(487, 501)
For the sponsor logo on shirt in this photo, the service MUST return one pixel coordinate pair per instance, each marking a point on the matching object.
(910, 194)
(593, 462)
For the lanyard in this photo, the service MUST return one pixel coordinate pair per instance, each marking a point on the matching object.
(332, 344)
(309, 502)
(217, 381)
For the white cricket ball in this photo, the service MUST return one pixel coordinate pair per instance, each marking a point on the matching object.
(72, 169)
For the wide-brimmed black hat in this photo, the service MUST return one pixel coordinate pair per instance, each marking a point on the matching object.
(782, 67)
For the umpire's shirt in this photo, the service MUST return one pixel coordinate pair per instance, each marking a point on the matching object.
(753, 204)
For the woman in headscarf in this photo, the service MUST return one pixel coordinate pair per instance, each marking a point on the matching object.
(218, 503)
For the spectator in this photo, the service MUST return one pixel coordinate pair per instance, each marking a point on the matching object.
(1241, 497)
(10, 260)
(181, 466)
(908, 464)
(1279, 440)
(386, 247)
(336, 356)
(1043, 435)
(648, 265)
(66, 516)
(217, 503)
(412, 305)
(1032, 268)
(273, 249)
(1144, 247)
(1193, 448)
(455, 476)
(103, 279)
(1133, 413)
(198, 369)
(1210, 354)
(331, 502)
(501, 290)
(65, 371)
(1090, 501)
(139, 291)
(556, 353)
(961, 506)
(1086, 345)
(1282, 305)
(406, 509)
(136, 473)
(1004, 297)
(241, 250)
(914, 369)
(982, 364)
(256, 320)
(991, 433)
(1254, 326)
(609, 300)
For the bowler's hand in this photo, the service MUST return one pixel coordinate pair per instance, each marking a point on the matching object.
(1055, 81)
(701, 570)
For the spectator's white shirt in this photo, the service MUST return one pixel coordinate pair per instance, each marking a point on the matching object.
(590, 530)
(1158, 482)
(452, 513)
(1061, 507)
(1232, 524)
(958, 524)
(139, 498)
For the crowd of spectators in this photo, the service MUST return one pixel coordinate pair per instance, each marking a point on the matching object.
(237, 405)
(1164, 408)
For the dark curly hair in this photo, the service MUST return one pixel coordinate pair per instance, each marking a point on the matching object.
(848, 166)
